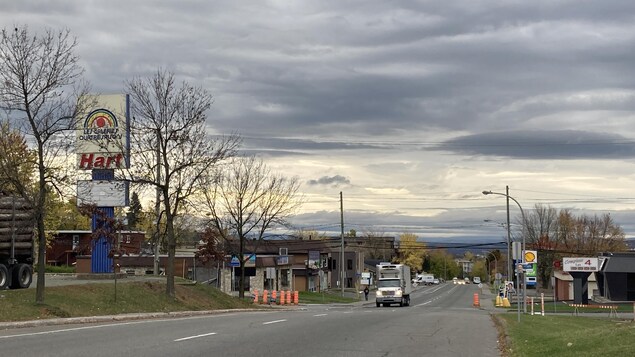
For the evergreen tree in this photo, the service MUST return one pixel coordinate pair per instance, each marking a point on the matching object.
(134, 211)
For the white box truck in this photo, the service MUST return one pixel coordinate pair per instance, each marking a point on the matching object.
(393, 284)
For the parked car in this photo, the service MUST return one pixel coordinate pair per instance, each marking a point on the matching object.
(467, 280)
(436, 281)
(477, 280)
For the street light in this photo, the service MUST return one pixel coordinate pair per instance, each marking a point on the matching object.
(488, 266)
(509, 261)
(522, 213)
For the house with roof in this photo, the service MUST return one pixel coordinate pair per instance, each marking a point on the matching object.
(616, 276)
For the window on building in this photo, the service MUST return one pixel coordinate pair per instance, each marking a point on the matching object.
(349, 264)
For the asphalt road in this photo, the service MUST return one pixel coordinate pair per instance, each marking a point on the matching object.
(441, 321)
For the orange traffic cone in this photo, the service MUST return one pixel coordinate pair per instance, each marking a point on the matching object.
(476, 300)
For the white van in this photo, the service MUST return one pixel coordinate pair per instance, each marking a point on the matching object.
(424, 279)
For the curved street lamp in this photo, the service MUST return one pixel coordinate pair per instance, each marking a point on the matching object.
(522, 213)
(489, 276)
(508, 253)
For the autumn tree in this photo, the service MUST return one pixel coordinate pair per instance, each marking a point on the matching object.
(170, 146)
(17, 161)
(212, 247)
(64, 215)
(411, 252)
(495, 262)
(38, 78)
(440, 263)
(245, 200)
(479, 268)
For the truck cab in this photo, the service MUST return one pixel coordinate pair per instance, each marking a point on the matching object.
(393, 285)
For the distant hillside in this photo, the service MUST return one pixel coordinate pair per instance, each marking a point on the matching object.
(459, 248)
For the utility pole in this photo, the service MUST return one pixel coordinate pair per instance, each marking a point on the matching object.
(342, 271)
(509, 235)
(157, 206)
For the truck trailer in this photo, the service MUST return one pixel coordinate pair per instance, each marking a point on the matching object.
(16, 242)
(393, 285)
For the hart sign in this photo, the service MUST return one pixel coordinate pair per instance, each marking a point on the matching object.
(101, 161)
(103, 134)
(580, 264)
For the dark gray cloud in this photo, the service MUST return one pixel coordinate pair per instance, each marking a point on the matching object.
(335, 181)
(543, 144)
(410, 98)
(299, 145)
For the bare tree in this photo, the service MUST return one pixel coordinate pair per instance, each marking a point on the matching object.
(377, 245)
(560, 233)
(245, 200)
(37, 75)
(170, 147)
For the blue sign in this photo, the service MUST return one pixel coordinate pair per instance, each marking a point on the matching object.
(235, 262)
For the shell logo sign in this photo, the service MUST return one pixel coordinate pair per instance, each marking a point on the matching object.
(102, 138)
(531, 256)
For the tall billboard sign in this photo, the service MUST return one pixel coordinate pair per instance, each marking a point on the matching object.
(103, 136)
(103, 145)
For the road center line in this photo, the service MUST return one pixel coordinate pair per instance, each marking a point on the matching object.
(273, 322)
(320, 315)
(191, 337)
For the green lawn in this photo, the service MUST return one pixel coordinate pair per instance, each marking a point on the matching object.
(559, 335)
(99, 299)
(561, 307)
(131, 297)
(308, 297)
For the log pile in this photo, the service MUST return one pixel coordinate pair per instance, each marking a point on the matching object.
(16, 225)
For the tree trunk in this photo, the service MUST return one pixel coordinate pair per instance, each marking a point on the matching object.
(41, 249)
(241, 256)
(169, 269)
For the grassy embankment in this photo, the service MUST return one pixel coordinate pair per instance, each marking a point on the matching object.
(131, 297)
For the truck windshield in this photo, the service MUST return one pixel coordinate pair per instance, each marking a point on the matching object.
(388, 283)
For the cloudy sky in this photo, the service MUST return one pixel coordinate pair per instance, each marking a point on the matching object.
(409, 108)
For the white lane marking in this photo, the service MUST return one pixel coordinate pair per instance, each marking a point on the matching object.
(67, 330)
(320, 315)
(422, 304)
(347, 312)
(191, 337)
(107, 324)
(273, 322)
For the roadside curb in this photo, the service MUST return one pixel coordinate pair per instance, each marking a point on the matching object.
(128, 317)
